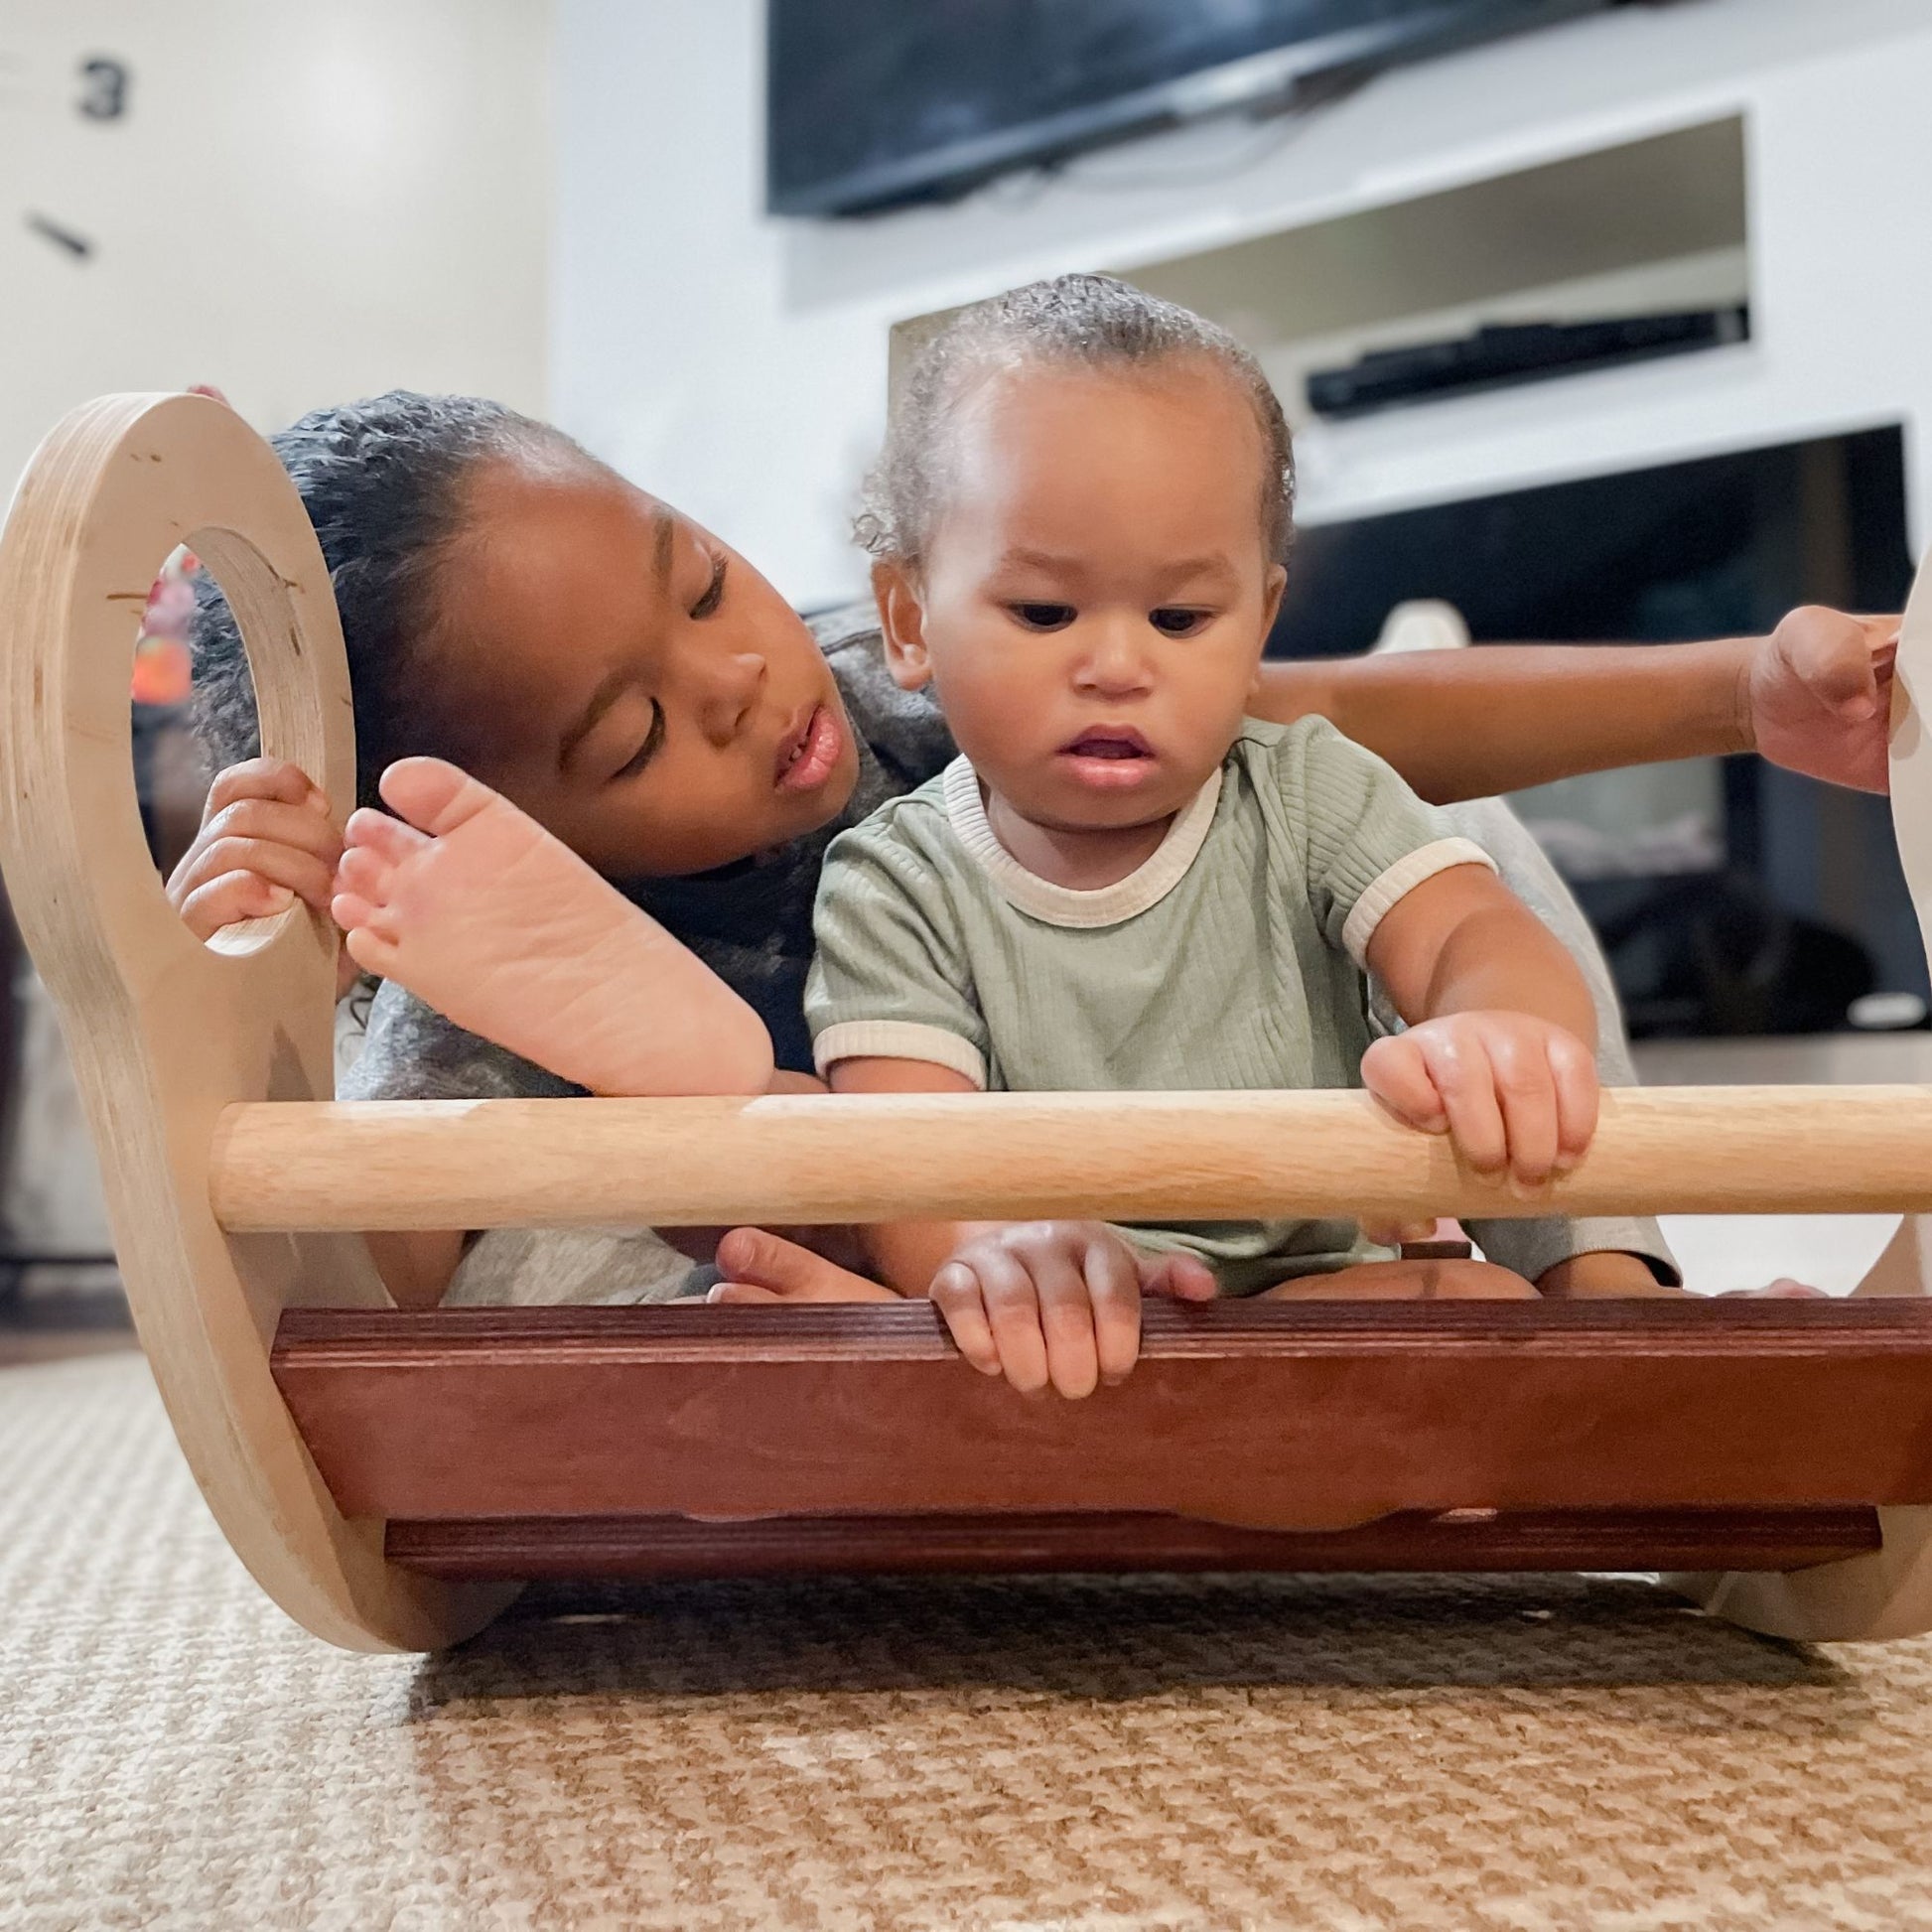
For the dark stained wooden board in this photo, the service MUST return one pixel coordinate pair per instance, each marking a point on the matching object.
(1266, 1414)
(660, 1547)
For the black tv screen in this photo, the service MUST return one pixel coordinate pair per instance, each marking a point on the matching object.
(872, 103)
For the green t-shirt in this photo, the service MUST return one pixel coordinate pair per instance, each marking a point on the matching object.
(1231, 958)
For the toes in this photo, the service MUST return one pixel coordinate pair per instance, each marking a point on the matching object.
(388, 838)
(433, 795)
(365, 875)
(354, 914)
(368, 949)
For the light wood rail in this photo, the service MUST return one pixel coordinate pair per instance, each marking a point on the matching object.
(796, 1158)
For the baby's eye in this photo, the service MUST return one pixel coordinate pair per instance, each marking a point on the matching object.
(1043, 617)
(1172, 621)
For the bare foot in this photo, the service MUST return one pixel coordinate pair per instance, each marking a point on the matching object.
(479, 912)
(761, 1266)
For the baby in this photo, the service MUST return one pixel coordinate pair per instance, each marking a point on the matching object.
(1124, 881)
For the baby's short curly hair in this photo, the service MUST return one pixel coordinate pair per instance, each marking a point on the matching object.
(1092, 321)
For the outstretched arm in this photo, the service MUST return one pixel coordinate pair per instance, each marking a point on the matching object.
(1813, 696)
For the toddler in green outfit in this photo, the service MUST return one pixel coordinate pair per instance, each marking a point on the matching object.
(1080, 529)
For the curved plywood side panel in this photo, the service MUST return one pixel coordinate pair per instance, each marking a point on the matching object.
(1889, 1592)
(165, 1032)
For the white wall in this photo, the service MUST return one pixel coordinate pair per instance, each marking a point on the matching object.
(738, 364)
(304, 204)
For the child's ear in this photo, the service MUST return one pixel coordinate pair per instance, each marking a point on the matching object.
(1271, 603)
(902, 618)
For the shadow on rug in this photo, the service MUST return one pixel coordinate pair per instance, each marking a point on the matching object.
(1105, 1637)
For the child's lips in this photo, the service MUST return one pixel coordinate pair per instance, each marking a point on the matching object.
(808, 754)
(1110, 758)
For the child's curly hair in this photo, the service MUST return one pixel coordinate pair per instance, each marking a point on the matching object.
(385, 483)
(1093, 322)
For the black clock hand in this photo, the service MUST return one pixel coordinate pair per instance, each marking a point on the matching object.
(76, 245)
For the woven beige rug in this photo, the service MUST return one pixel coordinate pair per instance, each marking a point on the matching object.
(1112, 1757)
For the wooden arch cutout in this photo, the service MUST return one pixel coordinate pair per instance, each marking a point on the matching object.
(379, 1471)
(165, 1032)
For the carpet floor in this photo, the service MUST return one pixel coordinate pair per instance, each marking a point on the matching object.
(1188, 1755)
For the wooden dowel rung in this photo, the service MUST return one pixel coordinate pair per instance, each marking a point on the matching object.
(1139, 1157)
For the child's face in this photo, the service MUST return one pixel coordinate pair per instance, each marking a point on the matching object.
(640, 688)
(1095, 592)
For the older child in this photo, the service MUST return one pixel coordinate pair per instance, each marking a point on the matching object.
(508, 601)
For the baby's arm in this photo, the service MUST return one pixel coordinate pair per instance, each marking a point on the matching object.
(1499, 1048)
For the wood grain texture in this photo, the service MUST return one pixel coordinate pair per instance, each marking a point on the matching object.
(664, 1547)
(165, 1032)
(800, 1159)
(1297, 1416)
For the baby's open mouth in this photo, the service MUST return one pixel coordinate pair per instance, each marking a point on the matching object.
(1108, 757)
(1109, 741)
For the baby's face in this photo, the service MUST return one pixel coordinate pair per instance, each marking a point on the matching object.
(630, 681)
(1095, 591)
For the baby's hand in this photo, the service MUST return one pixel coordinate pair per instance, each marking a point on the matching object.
(266, 840)
(1056, 1303)
(1516, 1094)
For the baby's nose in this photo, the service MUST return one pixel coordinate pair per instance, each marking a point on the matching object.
(1115, 660)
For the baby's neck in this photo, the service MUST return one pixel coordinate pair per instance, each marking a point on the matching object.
(1083, 860)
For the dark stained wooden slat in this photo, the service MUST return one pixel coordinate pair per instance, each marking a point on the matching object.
(1268, 1415)
(662, 1547)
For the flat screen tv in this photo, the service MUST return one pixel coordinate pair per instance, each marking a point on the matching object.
(876, 102)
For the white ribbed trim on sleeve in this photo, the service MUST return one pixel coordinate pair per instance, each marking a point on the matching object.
(1398, 882)
(898, 1040)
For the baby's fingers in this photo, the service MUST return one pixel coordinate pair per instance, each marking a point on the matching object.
(1067, 1321)
(1012, 1311)
(955, 1292)
(1397, 1073)
(1459, 1066)
(1179, 1275)
(1578, 1098)
(1112, 1282)
(1526, 1093)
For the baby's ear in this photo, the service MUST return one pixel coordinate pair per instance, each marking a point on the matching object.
(902, 618)
(1277, 583)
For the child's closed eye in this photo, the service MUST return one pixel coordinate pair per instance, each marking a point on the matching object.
(713, 590)
(645, 751)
